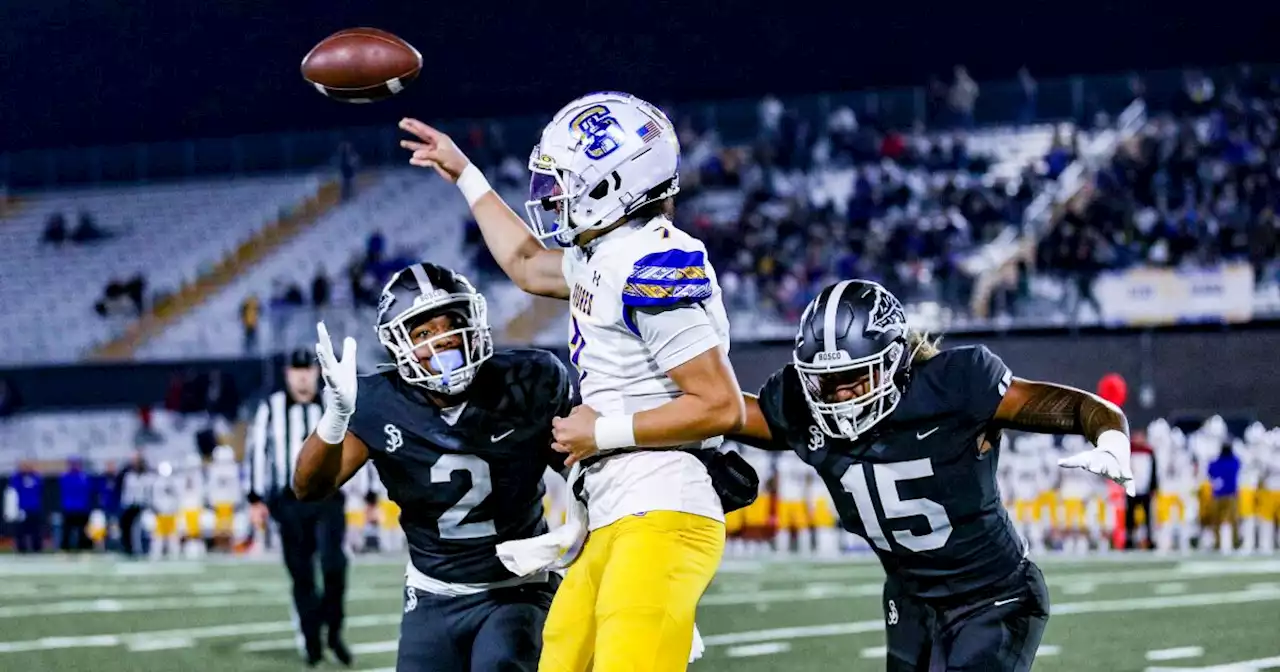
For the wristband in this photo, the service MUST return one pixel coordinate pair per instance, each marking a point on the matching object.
(332, 427)
(615, 431)
(1115, 442)
(472, 184)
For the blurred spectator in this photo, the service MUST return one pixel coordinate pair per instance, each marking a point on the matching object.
(134, 485)
(1145, 483)
(87, 230)
(1029, 90)
(9, 398)
(77, 501)
(29, 487)
(962, 97)
(55, 229)
(348, 163)
(123, 297)
(107, 487)
(249, 317)
(320, 289)
(1224, 520)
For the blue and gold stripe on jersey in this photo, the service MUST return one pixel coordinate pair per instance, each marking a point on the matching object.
(665, 279)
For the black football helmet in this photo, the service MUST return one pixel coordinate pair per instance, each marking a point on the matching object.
(421, 292)
(854, 333)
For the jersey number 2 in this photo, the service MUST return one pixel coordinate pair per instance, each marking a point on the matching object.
(451, 525)
(887, 476)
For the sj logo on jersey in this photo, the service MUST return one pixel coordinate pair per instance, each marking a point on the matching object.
(817, 440)
(394, 438)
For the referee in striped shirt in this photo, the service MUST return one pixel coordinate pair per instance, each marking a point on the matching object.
(282, 423)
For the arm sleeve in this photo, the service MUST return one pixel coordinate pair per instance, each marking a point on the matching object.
(675, 335)
(257, 453)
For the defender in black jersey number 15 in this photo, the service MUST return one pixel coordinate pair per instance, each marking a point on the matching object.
(461, 437)
(906, 438)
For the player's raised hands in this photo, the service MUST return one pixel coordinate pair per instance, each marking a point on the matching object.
(339, 374)
(433, 149)
(576, 434)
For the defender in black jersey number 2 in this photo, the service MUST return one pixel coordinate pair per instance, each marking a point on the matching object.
(460, 436)
(906, 438)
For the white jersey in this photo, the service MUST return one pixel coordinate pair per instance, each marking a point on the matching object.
(1270, 461)
(224, 483)
(1206, 449)
(1250, 455)
(1076, 483)
(793, 477)
(643, 300)
(191, 484)
(1026, 473)
(166, 493)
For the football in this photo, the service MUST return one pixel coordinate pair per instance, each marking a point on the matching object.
(361, 65)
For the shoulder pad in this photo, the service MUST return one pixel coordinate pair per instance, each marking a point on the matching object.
(668, 278)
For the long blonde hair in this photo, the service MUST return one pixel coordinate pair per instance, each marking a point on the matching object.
(922, 346)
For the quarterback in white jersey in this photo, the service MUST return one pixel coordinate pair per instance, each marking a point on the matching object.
(649, 337)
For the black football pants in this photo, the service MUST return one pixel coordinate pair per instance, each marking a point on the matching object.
(308, 529)
(995, 629)
(495, 631)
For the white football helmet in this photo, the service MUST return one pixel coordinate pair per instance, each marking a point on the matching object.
(602, 157)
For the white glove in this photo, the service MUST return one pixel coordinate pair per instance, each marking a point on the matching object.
(340, 386)
(699, 647)
(1109, 459)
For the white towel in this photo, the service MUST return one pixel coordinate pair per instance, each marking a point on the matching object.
(699, 647)
(554, 550)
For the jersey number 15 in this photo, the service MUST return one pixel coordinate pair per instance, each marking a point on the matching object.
(887, 477)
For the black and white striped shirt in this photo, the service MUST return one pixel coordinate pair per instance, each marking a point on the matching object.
(280, 427)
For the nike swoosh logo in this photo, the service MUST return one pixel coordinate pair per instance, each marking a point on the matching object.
(498, 437)
(1001, 603)
(925, 435)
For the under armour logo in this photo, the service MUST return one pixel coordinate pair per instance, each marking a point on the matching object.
(411, 599)
(394, 438)
(892, 617)
(817, 440)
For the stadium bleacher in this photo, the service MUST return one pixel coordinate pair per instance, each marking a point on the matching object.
(169, 234)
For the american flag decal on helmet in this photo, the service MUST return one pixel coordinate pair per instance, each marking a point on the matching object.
(649, 131)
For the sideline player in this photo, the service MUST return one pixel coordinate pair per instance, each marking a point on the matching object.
(460, 437)
(911, 434)
(649, 337)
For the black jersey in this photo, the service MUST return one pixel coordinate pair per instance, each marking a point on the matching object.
(921, 488)
(463, 488)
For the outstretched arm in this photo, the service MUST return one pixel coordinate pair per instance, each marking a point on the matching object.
(532, 267)
(1057, 409)
(1048, 408)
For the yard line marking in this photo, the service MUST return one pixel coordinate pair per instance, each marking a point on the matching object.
(1175, 653)
(873, 652)
(1048, 650)
(363, 648)
(162, 644)
(206, 632)
(112, 606)
(1241, 666)
(757, 636)
(761, 649)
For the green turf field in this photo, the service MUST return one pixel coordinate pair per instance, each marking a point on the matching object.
(1114, 613)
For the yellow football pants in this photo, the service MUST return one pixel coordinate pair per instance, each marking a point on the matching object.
(627, 603)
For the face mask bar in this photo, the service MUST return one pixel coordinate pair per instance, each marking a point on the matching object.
(456, 367)
(854, 417)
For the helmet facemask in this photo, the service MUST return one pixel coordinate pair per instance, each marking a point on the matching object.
(454, 367)
(875, 376)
